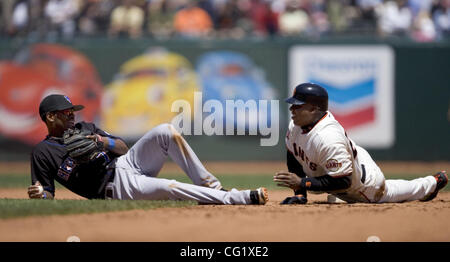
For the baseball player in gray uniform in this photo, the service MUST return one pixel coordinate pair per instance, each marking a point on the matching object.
(124, 173)
(322, 158)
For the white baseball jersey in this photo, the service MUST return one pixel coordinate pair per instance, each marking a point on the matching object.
(326, 149)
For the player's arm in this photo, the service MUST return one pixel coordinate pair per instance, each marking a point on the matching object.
(37, 191)
(113, 144)
(338, 171)
(295, 167)
(322, 183)
(42, 185)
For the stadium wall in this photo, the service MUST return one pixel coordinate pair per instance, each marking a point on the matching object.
(421, 90)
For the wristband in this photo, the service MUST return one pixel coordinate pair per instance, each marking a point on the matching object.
(44, 195)
(111, 143)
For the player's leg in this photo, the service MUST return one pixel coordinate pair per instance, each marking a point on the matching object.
(151, 151)
(399, 190)
(129, 184)
(372, 178)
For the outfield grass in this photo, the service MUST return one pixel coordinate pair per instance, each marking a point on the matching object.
(12, 208)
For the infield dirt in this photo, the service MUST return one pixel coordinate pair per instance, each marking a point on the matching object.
(316, 221)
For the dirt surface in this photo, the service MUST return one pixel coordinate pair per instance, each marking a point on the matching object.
(316, 221)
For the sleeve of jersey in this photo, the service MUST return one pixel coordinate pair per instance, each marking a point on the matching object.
(336, 160)
(295, 167)
(40, 171)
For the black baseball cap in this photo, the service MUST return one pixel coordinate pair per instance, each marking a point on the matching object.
(56, 103)
(309, 93)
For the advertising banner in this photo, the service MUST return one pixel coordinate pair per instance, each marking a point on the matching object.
(360, 84)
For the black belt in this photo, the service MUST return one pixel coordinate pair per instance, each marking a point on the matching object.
(110, 173)
(110, 170)
(108, 187)
(363, 177)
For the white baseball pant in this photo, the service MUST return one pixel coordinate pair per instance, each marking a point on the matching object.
(377, 189)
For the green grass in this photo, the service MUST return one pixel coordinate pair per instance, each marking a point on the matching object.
(239, 181)
(12, 208)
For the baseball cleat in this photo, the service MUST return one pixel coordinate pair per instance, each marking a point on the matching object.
(331, 199)
(259, 196)
(441, 182)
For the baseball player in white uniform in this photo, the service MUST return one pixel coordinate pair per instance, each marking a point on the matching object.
(123, 173)
(322, 158)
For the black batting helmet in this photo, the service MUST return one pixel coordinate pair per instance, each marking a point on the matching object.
(309, 93)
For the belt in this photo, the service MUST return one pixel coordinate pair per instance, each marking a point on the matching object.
(363, 177)
(110, 172)
(109, 191)
(109, 188)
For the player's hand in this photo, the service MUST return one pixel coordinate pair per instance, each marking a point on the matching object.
(95, 137)
(36, 190)
(287, 179)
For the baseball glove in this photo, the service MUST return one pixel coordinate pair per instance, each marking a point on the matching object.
(81, 148)
(295, 200)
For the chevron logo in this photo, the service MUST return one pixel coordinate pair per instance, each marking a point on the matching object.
(353, 105)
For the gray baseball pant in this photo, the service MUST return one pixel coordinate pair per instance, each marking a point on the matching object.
(136, 172)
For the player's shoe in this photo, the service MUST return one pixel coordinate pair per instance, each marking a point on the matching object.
(331, 199)
(441, 182)
(259, 196)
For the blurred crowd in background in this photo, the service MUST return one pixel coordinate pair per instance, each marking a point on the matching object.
(420, 20)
